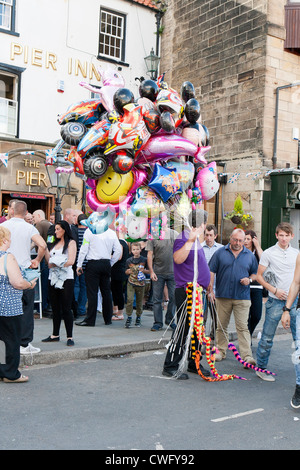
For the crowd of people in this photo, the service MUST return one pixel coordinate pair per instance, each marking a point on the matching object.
(77, 267)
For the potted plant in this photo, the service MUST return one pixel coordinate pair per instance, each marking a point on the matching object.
(237, 215)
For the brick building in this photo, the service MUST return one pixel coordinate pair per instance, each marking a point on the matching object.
(243, 57)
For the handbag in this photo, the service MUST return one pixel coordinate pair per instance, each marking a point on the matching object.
(30, 274)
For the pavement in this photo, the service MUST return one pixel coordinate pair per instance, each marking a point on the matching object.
(104, 340)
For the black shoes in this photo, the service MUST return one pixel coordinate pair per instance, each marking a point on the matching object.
(172, 373)
(82, 323)
(50, 340)
(193, 369)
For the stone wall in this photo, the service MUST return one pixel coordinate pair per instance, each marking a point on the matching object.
(233, 53)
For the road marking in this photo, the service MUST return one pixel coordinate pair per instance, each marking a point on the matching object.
(237, 415)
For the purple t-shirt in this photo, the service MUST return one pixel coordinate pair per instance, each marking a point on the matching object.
(184, 272)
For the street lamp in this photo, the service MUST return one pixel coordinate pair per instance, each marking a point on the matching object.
(59, 173)
(152, 62)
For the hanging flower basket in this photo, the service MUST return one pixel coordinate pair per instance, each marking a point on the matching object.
(238, 217)
(236, 220)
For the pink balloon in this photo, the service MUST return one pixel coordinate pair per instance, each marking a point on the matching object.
(208, 181)
(163, 147)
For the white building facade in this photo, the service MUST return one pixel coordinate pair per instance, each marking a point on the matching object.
(47, 48)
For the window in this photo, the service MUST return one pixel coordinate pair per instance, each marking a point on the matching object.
(7, 16)
(10, 78)
(292, 26)
(112, 35)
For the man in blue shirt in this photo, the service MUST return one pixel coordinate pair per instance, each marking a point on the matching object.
(234, 267)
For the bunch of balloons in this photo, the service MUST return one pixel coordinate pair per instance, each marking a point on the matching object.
(139, 157)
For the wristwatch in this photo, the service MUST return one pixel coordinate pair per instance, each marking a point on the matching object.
(286, 309)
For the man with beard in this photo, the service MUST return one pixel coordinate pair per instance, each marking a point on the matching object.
(234, 267)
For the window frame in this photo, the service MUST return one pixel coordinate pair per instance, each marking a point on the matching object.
(292, 11)
(108, 58)
(12, 29)
(17, 71)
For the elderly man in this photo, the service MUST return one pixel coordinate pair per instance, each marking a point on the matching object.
(234, 267)
(22, 235)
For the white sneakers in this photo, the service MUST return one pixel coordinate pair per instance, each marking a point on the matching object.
(265, 376)
(29, 349)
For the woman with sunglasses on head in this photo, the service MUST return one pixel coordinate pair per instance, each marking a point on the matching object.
(60, 258)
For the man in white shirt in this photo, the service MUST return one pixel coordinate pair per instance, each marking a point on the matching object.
(210, 246)
(101, 252)
(275, 273)
(22, 235)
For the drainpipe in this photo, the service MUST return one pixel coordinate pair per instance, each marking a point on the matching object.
(274, 158)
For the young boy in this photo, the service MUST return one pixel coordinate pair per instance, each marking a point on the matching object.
(135, 268)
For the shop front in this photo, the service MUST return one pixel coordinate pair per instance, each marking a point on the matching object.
(25, 178)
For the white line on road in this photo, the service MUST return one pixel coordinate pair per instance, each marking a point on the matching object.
(238, 415)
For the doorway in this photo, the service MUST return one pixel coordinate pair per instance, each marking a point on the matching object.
(33, 201)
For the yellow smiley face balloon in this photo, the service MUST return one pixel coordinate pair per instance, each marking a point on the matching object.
(113, 187)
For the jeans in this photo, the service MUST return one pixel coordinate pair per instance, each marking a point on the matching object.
(27, 319)
(272, 318)
(44, 283)
(297, 366)
(80, 294)
(158, 297)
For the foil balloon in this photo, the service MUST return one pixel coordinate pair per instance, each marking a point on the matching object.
(156, 227)
(112, 80)
(137, 228)
(99, 222)
(207, 181)
(147, 203)
(114, 189)
(164, 182)
(185, 172)
(163, 147)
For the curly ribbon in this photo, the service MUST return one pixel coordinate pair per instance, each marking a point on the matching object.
(199, 331)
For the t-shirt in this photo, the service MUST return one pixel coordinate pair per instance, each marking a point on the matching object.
(163, 253)
(184, 272)
(134, 264)
(43, 227)
(280, 265)
(21, 234)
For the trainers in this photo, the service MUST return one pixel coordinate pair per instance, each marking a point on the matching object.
(128, 322)
(295, 401)
(138, 321)
(29, 349)
(265, 376)
(219, 357)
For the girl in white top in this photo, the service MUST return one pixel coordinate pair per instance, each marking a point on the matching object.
(62, 253)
